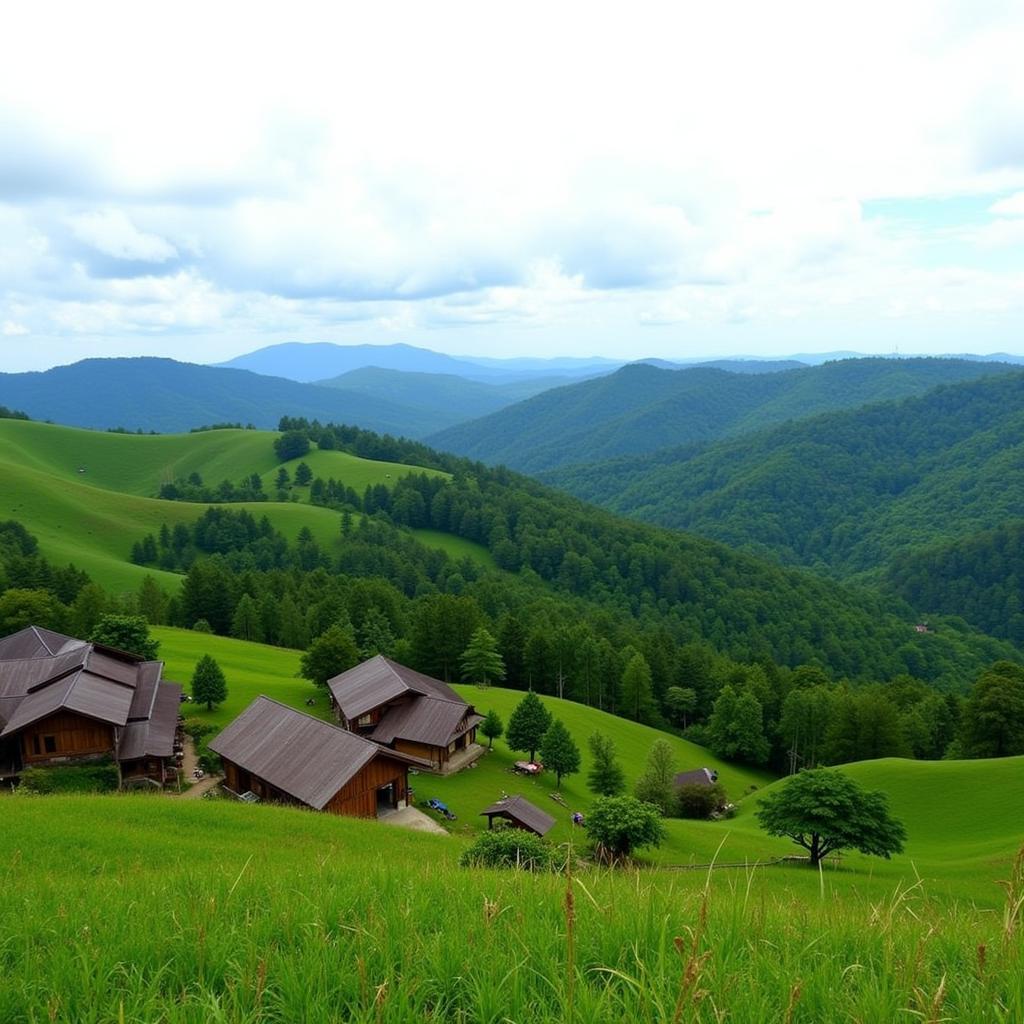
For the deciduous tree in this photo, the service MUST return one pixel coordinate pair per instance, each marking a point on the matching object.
(825, 811)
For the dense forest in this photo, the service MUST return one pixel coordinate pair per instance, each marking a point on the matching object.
(842, 493)
(643, 408)
(979, 578)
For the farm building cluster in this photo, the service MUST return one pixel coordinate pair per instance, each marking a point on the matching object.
(66, 701)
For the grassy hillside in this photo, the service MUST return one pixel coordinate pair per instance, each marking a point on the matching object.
(842, 492)
(91, 518)
(963, 817)
(642, 408)
(149, 908)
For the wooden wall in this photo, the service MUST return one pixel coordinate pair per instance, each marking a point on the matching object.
(437, 756)
(75, 736)
(358, 797)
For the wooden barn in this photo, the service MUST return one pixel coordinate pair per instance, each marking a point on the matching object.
(520, 813)
(407, 711)
(286, 756)
(66, 701)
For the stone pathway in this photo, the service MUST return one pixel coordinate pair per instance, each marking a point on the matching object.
(411, 817)
(189, 762)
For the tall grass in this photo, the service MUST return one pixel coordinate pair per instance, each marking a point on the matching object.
(143, 909)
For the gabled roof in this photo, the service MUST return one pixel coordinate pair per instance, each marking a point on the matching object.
(379, 680)
(302, 756)
(520, 811)
(431, 711)
(35, 642)
(59, 673)
(697, 777)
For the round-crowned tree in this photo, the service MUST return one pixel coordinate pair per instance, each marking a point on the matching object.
(825, 811)
(618, 825)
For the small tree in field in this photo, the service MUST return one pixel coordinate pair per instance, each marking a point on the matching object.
(481, 662)
(559, 752)
(824, 811)
(209, 686)
(657, 784)
(330, 654)
(606, 777)
(492, 727)
(527, 724)
(618, 825)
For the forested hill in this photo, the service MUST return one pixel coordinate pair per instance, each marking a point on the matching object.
(842, 492)
(643, 408)
(979, 578)
(167, 396)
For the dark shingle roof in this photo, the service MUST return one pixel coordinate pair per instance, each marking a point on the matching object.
(521, 812)
(302, 756)
(697, 777)
(59, 673)
(380, 680)
(429, 711)
(35, 642)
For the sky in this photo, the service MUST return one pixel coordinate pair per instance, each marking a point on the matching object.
(626, 180)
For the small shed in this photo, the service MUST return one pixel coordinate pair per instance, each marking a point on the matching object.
(697, 777)
(520, 813)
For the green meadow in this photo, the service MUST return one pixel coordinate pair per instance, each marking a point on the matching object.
(152, 909)
(88, 495)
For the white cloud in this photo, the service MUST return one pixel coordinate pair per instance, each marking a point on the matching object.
(12, 329)
(567, 172)
(112, 233)
(1009, 206)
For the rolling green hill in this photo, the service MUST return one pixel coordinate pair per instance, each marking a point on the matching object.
(642, 408)
(842, 492)
(961, 816)
(87, 495)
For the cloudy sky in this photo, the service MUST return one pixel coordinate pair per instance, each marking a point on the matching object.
(689, 179)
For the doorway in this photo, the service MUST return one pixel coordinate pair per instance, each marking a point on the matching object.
(387, 799)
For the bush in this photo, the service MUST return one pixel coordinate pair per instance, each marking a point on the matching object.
(618, 825)
(696, 801)
(507, 847)
(98, 777)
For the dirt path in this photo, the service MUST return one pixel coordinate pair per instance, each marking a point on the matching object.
(190, 761)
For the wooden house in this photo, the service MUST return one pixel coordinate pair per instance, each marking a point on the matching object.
(520, 813)
(407, 711)
(66, 701)
(286, 756)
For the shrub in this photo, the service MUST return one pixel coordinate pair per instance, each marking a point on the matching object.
(98, 777)
(618, 825)
(506, 847)
(695, 801)
(201, 626)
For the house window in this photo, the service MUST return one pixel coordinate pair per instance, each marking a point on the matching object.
(50, 744)
(365, 719)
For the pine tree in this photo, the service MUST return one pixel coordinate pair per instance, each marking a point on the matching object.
(152, 601)
(375, 634)
(637, 697)
(559, 752)
(209, 686)
(527, 725)
(492, 727)
(606, 777)
(481, 662)
(303, 474)
(245, 624)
